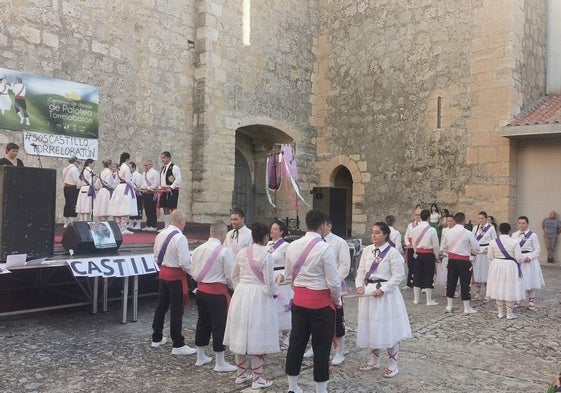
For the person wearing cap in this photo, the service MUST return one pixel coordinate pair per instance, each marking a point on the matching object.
(70, 178)
(11, 158)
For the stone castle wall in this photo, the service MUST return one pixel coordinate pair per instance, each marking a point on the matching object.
(137, 53)
(351, 83)
(385, 66)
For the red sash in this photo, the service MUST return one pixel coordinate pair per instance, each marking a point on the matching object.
(313, 299)
(451, 255)
(425, 251)
(174, 274)
(215, 288)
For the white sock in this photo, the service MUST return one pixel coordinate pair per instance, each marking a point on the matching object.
(257, 366)
(450, 301)
(167, 220)
(416, 294)
(340, 346)
(219, 358)
(293, 383)
(467, 306)
(321, 387)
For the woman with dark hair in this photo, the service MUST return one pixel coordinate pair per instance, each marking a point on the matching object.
(277, 247)
(382, 317)
(106, 184)
(123, 200)
(504, 283)
(251, 327)
(87, 191)
(434, 219)
(11, 158)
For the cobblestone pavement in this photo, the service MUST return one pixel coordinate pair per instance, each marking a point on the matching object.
(74, 351)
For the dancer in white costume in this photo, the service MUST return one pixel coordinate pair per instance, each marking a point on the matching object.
(505, 283)
(87, 191)
(484, 232)
(123, 200)
(531, 269)
(277, 248)
(382, 317)
(106, 184)
(252, 326)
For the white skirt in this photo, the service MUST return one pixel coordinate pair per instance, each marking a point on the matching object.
(122, 204)
(84, 202)
(532, 274)
(481, 268)
(442, 272)
(382, 321)
(503, 282)
(251, 327)
(101, 203)
(283, 302)
(5, 102)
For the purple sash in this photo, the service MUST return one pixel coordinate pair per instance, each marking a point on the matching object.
(376, 262)
(302, 258)
(128, 188)
(165, 247)
(206, 268)
(276, 245)
(391, 243)
(149, 184)
(508, 256)
(258, 273)
(483, 231)
(421, 235)
(91, 189)
(525, 238)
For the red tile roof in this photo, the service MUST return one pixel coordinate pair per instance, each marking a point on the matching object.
(546, 110)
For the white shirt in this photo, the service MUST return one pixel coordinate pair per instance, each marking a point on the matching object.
(532, 244)
(242, 272)
(106, 179)
(19, 89)
(511, 247)
(124, 174)
(151, 179)
(489, 235)
(177, 254)
(319, 271)
(395, 237)
(176, 174)
(279, 253)
(221, 270)
(460, 241)
(137, 179)
(408, 233)
(342, 252)
(71, 174)
(391, 268)
(429, 239)
(237, 239)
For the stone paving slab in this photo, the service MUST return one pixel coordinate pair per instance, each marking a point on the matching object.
(74, 351)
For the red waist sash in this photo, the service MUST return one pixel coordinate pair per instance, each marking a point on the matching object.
(215, 288)
(313, 299)
(451, 255)
(174, 274)
(424, 251)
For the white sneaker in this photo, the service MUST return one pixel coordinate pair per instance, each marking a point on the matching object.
(150, 229)
(126, 232)
(261, 383)
(337, 360)
(448, 309)
(184, 350)
(157, 344)
(225, 368)
(309, 353)
(470, 310)
(432, 303)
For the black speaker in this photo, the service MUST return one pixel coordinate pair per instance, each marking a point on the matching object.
(92, 237)
(27, 215)
(332, 201)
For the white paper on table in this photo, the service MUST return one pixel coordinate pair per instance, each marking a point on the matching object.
(15, 260)
(38, 261)
(3, 269)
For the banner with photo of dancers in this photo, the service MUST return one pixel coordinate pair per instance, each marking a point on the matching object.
(48, 106)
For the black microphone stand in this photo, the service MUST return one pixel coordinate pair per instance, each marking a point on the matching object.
(36, 150)
(93, 196)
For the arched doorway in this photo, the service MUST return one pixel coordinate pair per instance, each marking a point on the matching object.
(342, 178)
(253, 142)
